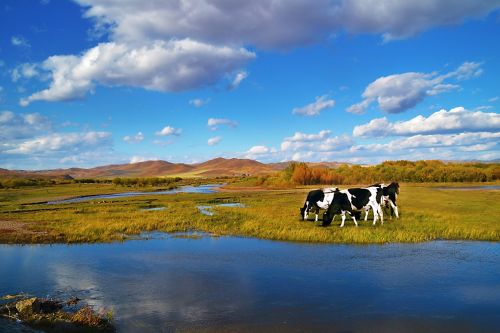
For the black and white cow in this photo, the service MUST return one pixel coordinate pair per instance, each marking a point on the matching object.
(352, 201)
(316, 200)
(389, 195)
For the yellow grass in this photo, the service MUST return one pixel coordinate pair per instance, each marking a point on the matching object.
(426, 214)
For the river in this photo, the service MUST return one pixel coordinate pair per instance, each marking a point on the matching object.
(171, 283)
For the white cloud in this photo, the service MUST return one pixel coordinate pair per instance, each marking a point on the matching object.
(198, 102)
(238, 78)
(277, 24)
(399, 92)
(432, 141)
(61, 143)
(316, 142)
(213, 123)
(172, 46)
(139, 137)
(19, 126)
(453, 121)
(20, 41)
(169, 130)
(214, 141)
(493, 99)
(24, 71)
(315, 108)
(138, 159)
(258, 150)
(170, 66)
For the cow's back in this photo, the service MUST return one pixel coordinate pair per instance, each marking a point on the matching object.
(359, 197)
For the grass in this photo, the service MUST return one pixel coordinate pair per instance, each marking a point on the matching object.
(426, 214)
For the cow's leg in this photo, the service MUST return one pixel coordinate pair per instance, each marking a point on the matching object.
(367, 211)
(381, 213)
(375, 213)
(306, 210)
(343, 219)
(395, 208)
(354, 219)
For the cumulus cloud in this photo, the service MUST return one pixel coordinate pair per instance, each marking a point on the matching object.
(138, 159)
(172, 46)
(257, 150)
(238, 78)
(26, 71)
(453, 121)
(19, 126)
(321, 103)
(170, 66)
(213, 123)
(399, 92)
(61, 142)
(434, 141)
(316, 142)
(267, 23)
(198, 102)
(214, 141)
(169, 130)
(20, 41)
(263, 153)
(139, 137)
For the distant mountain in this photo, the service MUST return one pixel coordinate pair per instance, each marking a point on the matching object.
(233, 166)
(211, 168)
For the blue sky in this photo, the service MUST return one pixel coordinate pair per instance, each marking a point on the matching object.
(89, 82)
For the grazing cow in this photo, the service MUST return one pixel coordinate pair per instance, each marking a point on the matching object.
(353, 200)
(389, 195)
(315, 200)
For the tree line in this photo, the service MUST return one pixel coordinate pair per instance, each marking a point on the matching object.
(17, 182)
(298, 173)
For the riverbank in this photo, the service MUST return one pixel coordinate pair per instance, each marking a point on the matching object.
(426, 214)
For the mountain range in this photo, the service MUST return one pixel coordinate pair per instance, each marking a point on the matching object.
(212, 168)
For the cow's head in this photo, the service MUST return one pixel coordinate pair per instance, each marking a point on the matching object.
(396, 185)
(333, 209)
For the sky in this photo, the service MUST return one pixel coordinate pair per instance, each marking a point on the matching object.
(93, 82)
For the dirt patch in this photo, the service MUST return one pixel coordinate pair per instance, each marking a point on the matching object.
(9, 226)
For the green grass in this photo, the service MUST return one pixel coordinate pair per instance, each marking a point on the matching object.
(426, 214)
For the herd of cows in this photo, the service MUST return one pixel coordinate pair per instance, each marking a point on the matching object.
(352, 201)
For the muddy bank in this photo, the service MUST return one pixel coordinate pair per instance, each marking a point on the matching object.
(51, 315)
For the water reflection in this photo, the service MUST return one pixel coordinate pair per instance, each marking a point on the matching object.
(210, 188)
(207, 210)
(240, 284)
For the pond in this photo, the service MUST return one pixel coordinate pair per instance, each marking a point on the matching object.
(209, 188)
(231, 284)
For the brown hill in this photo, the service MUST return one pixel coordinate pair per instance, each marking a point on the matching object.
(215, 167)
(211, 168)
(231, 167)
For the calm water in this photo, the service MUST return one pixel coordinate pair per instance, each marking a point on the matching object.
(247, 285)
(207, 210)
(211, 188)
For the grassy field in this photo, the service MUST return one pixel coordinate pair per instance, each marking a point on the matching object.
(426, 214)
